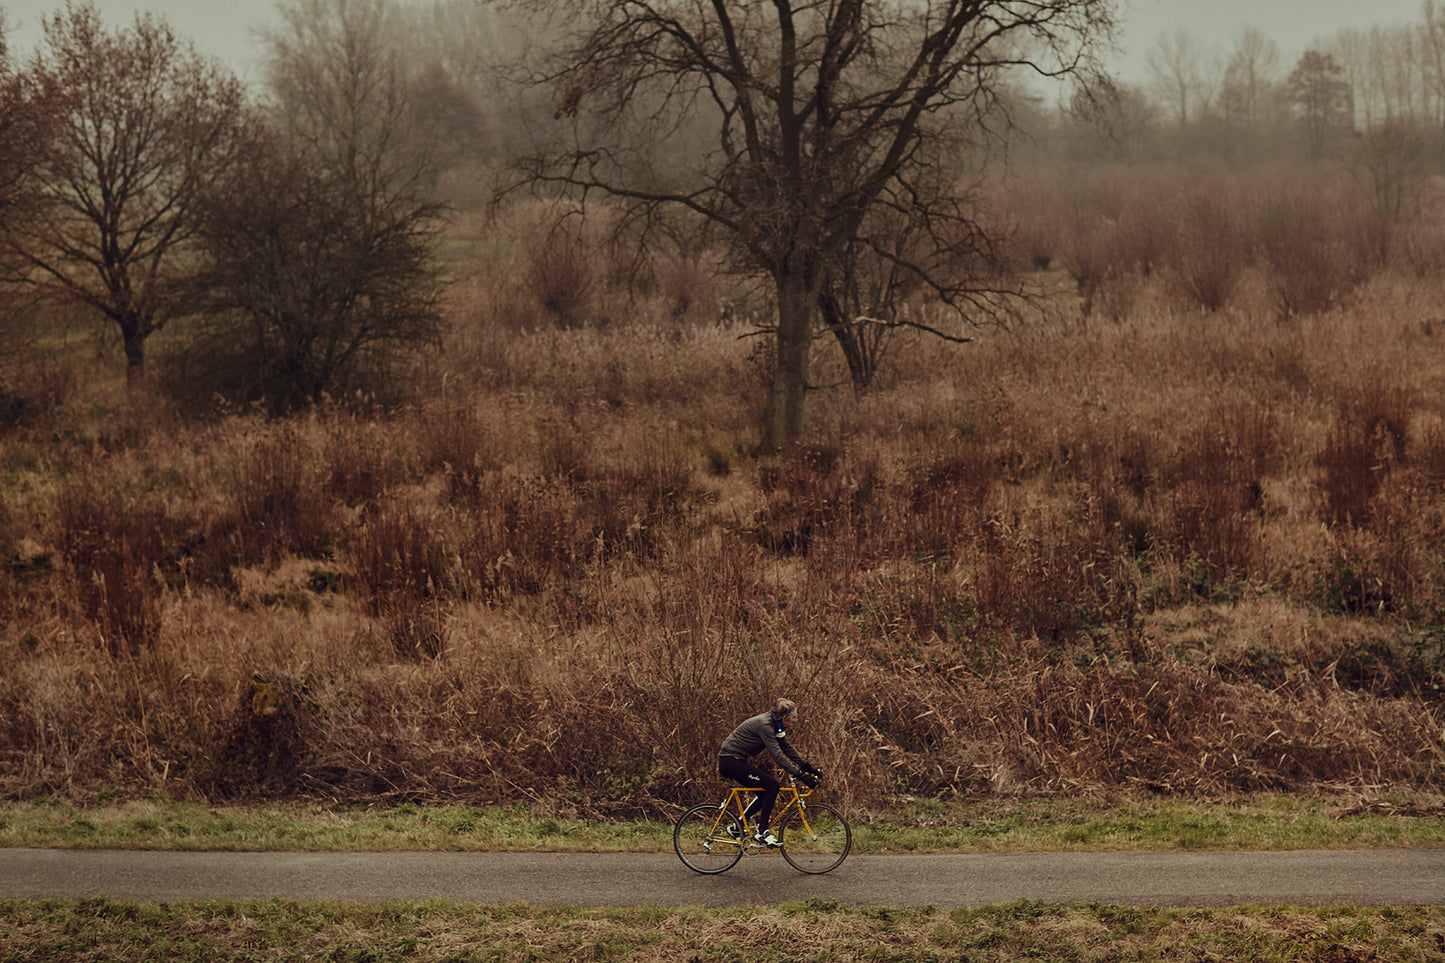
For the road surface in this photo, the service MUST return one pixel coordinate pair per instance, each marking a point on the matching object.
(1361, 878)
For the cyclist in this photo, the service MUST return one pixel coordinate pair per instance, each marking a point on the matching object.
(754, 734)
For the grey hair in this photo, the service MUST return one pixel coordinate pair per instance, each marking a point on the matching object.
(785, 707)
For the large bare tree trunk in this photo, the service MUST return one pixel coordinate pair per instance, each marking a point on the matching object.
(135, 362)
(783, 419)
(835, 120)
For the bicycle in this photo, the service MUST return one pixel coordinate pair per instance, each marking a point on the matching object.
(711, 837)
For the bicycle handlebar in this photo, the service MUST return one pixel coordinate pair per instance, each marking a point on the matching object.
(801, 788)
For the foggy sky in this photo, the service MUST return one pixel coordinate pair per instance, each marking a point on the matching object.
(225, 28)
(1293, 24)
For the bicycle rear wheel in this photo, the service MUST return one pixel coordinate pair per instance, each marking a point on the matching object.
(816, 839)
(702, 840)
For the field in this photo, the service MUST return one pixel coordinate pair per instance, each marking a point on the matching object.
(813, 930)
(1148, 561)
(1153, 566)
(1123, 547)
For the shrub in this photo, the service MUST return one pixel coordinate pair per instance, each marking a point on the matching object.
(563, 275)
(455, 442)
(1421, 245)
(318, 278)
(1210, 255)
(1370, 436)
(1091, 256)
(810, 495)
(264, 745)
(1316, 250)
(403, 570)
(1115, 238)
(946, 499)
(682, 283)
(628, 506)
(1218, 498)
(1051, 584)
(280, 503)
(998, 574)
(114, 553)
(521, 536)
(363, 459)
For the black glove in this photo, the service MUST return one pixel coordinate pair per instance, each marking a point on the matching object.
(809, 767)
(808, 779)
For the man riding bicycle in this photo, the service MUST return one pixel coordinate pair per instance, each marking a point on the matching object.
(753, 735)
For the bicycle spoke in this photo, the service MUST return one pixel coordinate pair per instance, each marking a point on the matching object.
(702, 840)
(815, 839)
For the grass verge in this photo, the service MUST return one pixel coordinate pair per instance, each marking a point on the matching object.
(913, 826)
(816, 930)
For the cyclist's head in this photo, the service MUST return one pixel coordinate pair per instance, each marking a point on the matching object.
(785, 708)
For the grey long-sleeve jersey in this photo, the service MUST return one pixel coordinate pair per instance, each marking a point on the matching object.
(757, 733)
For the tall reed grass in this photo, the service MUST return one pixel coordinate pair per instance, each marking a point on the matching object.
(1167, 551)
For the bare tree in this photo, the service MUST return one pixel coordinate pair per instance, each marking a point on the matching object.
(13, 136)
(1109, 121)
(449, 125)
(1395, 158)
(17, 137)
(21, 133)
(1432, 48)
(1251, 84)
(1321, 96)
(137, 126)
(464, 38)
(1183, 74)
(318, 275)
(309, 287)
(824, 113)
(339, 90)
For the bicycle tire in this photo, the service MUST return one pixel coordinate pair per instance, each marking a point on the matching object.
(824, 847)
(699, 836)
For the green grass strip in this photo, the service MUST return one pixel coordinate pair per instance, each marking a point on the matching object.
(915, 826)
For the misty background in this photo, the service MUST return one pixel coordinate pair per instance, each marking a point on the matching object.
(1124, 428)
(228, 30)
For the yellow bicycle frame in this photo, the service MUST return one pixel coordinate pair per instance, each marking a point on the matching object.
(735, 804)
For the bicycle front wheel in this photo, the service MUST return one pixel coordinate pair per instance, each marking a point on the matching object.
(815, 839)
(703, 842)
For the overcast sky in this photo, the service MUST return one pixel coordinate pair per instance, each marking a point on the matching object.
(1293, 24)
(224, 28)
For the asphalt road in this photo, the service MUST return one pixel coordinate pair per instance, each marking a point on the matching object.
(1361, 878)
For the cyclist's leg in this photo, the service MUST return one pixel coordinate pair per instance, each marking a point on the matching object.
(739, 772)
(739, 805)
(749, 775)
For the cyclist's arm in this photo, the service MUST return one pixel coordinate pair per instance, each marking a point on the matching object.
(783, 753)
(804, 766)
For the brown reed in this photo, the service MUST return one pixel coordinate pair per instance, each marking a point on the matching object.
(1178, 553)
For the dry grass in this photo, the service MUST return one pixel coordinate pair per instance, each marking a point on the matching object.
(815, 930)
(559, 574)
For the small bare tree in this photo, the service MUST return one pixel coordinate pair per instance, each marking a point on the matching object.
(308, 287)
(136, 127)
(17, 123)
(1396, 159)
(1249, 96)
(21, 130)
(16, 134)
(1322, 100)
(317, 276)
(1183, 76)
(822, 114)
